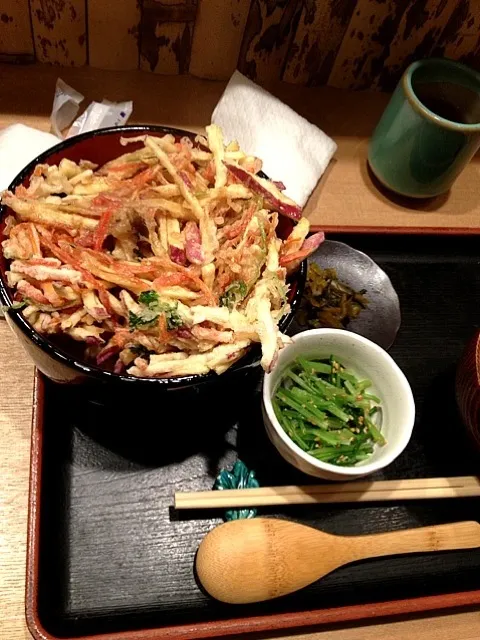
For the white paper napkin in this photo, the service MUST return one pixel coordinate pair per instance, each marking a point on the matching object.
(19, 145)
(293, 150)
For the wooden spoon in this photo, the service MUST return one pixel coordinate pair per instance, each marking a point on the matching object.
(253, 560)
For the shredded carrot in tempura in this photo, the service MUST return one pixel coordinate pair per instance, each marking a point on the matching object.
(163, 262)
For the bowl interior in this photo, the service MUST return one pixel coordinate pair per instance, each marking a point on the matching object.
(97, 146)
(100, 147)
(366, 360)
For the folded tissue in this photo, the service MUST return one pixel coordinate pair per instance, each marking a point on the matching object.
(293, 150)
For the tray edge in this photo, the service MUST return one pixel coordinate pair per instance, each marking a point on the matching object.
(233, 626)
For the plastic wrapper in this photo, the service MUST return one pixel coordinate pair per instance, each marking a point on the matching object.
(66, 104)
(97, 115)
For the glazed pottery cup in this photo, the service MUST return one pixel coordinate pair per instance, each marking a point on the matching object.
(430, 129)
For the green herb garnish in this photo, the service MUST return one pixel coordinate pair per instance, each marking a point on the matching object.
(15, 306)
(144, 320)
(327, 411)
(174, 321)
(233, 294)
(153, 308)
(148, 298)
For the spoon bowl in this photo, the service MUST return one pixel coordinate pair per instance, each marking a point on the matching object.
(247, 561)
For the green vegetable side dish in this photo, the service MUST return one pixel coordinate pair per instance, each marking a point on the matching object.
(327, 411)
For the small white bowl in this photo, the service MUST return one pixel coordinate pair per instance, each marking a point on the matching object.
(365, 359)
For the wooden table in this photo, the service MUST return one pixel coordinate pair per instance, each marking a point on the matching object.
(345, 196)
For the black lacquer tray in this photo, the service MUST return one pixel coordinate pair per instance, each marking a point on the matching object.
(108, 554)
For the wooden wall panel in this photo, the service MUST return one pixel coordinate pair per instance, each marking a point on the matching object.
(416, 37)
(270, 28)
(365, 46)
(217, 37)
(166, 35)
(15, 33)
(460, 37)
(59, 31)
(317, 40)
(355, 44)
(113, 27)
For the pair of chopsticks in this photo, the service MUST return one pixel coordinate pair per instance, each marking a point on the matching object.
(378, 491)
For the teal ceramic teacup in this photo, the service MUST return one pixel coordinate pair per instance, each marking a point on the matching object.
(430, 129)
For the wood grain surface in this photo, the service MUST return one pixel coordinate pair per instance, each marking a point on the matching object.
(314, 47)
(217, 37)
(422, 26)
(269, 30)
(16, 44)
(188, 104)
(166, 35)
(343, 43)
(59, 31)
(462, 43)
(113, 35)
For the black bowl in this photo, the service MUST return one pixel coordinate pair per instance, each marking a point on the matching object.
(56, 362)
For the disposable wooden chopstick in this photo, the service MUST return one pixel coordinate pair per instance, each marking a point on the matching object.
(377, 491)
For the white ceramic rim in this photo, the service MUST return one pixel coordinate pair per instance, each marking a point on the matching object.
(332, 468)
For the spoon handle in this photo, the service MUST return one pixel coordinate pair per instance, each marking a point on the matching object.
(444, 537)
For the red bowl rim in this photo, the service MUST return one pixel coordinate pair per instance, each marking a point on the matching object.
(250, 359)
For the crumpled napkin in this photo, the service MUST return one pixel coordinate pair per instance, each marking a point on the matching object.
(293, 150)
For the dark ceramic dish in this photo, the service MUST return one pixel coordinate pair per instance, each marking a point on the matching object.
(381, 320)
(56, 362)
